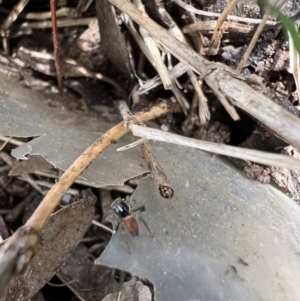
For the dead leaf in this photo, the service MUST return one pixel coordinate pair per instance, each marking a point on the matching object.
(84, 278)
(34, 163)
(63, 135)
(59, 238)
(221, 237)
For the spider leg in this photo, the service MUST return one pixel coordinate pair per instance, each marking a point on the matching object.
(139, 209)
(146, 226)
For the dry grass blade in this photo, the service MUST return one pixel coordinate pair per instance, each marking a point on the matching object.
(221, 149)
(11, 18)
(177, 71)
(252, 43)
(218, 31)
(212, 14)
(48, 24)
(207, 26)
(222, 80)
(62, 12)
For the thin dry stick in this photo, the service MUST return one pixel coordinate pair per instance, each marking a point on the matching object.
(204, 114)
(102, 226)
(63, 12)
(5, 142)
(218, 32)
(221, 149)
(48, 24)
(157, 172)
(55, 46)
(39, 217)
(139, 41)
(76, 69)
(212, 14)
(257, 33)
(203, 26)
(13, 15)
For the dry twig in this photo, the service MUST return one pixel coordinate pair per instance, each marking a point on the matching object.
(158, 175)
(254, 39)
(56, 46)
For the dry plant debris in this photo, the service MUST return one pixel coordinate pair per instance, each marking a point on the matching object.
(85, 279)
(130, 291)
(61, 136)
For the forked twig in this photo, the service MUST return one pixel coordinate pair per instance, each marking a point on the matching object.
(160, 179)
(177, 71)
(17, 251)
